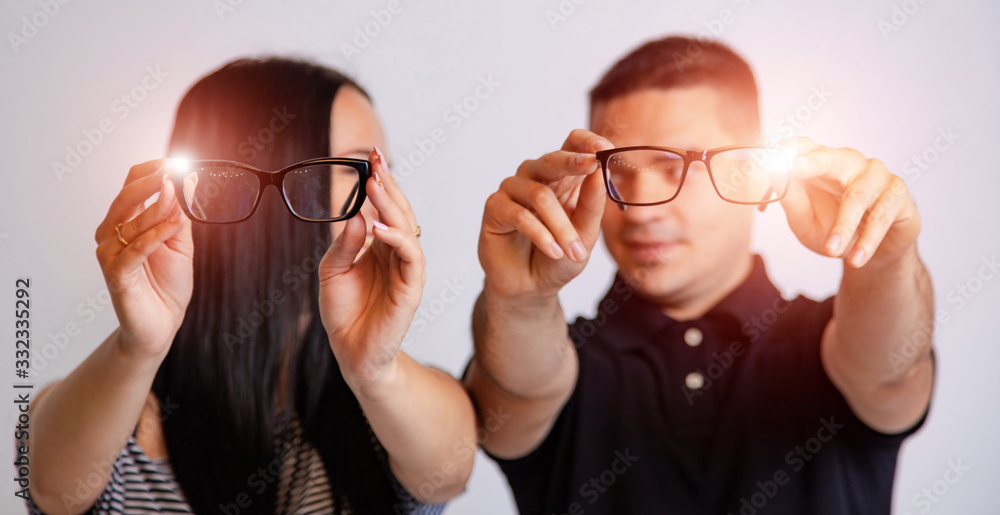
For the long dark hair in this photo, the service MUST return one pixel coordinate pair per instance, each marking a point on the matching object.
(255, 282)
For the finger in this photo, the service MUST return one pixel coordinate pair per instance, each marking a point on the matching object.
(143, 169)
(339, 258)
(381, 167)
(584, 141)
(131, 258)
(878, 220)
(858, 196)
(110, 246)
(559, 164)
(406, 246)
(389, 212)
(796, 203)
(589, 209)
(841, 164)
(508, 216)
(541, 200)
(130, 201)
(164, 208)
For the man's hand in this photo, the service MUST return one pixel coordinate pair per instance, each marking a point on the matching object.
(842, 204)
(549, 210)
(538, 231)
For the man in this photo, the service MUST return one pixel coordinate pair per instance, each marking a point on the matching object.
(697, 388)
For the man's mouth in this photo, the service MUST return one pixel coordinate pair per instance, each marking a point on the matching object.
(645, 251)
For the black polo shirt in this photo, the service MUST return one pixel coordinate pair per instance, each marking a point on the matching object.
(731, 413)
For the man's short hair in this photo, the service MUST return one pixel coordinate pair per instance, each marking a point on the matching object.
(676, 61)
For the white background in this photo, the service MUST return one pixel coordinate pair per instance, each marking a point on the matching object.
(890, 95)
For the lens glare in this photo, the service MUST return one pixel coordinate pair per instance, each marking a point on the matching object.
(751, 175)
(644, 176)
(322, 192)
(219, 192)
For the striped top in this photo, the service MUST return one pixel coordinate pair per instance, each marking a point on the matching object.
(141, 485)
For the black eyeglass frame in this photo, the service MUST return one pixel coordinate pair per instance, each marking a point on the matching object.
(688, 157)
(266, 178)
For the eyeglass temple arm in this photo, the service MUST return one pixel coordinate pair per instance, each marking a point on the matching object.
(354, 190)
(611, 186)
(763, 202)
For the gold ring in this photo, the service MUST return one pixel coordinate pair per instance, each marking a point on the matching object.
(118, 231)
(417, 233)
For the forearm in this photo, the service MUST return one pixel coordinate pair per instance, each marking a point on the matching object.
(426, 423)
(81, 425)
(523, 371)
(523, 346)
(883, 320)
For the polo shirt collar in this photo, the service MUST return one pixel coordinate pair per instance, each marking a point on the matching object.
(749, 299)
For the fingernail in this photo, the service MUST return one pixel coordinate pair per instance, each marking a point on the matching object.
(557, 251)
(380, 225)
(579, 252)
(802, 163)
(381, 160)
(161, 171)
(582, 158)
(378, 180)
(833, 244)
(177, 216)
(858, 257)
(603, 145)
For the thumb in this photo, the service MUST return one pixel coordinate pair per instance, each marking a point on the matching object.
(797, 206)
(590, 208)
(340, 256)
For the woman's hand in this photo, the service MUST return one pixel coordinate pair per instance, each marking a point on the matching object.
(367, 305)
(150, 279)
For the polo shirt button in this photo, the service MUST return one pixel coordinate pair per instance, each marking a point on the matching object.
(694, 381)
(693, 337)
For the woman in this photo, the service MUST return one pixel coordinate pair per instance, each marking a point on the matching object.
(219, 392)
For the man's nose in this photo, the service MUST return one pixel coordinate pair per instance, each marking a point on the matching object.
(638, 215)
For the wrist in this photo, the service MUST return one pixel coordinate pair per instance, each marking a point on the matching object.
(374, 383)
(493, 298)
(128, 351)
(882, 262)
